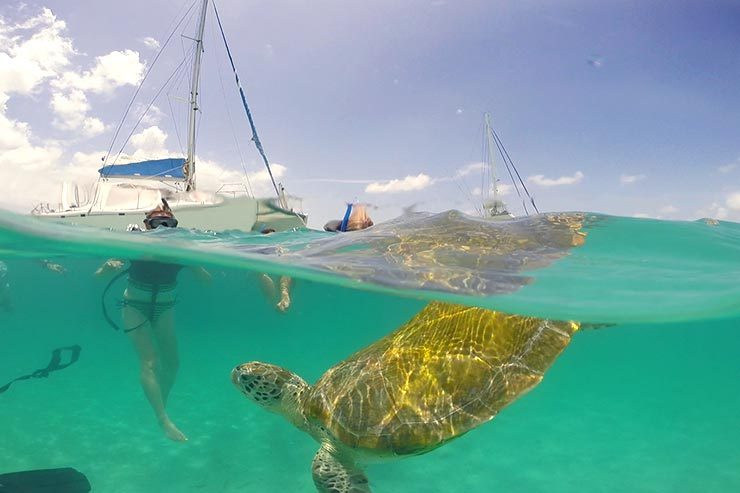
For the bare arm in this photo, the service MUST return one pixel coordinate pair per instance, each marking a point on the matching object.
(111, 265)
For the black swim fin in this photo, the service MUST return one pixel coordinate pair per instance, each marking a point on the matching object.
(65, 480)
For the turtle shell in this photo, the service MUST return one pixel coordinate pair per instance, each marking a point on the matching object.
(446, 371)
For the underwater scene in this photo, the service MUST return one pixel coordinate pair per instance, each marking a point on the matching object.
(630, 324)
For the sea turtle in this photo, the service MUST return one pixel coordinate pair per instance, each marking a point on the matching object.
(446, 371)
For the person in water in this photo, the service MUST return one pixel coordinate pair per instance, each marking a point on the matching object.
(148, 319)
(355, 219)
(269, 286)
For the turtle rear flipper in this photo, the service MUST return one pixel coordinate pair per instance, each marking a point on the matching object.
(333, 475)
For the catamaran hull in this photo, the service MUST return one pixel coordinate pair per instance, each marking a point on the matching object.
(238, 213)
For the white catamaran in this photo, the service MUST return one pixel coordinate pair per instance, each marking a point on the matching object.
(492, 206)
(124, 192)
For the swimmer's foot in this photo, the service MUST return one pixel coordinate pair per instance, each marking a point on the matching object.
(283, 305)
(172, 432)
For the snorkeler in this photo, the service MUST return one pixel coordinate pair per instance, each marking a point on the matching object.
(5, 302)
(268, 286)
(148, 319)
(355, 219)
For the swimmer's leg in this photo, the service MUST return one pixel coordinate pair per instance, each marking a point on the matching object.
(164, 333)
(268, 287)
(148, 363)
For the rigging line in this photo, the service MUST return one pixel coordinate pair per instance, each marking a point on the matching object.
(141, 84)
(521, 181)
(231, 122)
(511, 164)
(517, 174)
(120, 151)
(177, 87)
(499, 146)
(174, 122)
(483, 178)
(255, 137)
(466, 192)
(173, 88)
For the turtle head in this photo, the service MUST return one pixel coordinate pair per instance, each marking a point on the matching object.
(271, 387)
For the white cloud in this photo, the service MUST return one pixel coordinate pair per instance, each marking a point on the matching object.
(150, 115)
(468, 169)
(641, 215)
(116, 69)
(71, 113)
(260, 180)
(668, 209)
(476, 191)
(37, 51)
(727, 168)
(418, 182)
(92, 127)
(628, 179)
(541, 180)
(29, 58)
(29, 170)
(150, 43)
(70, 108)
(149, 144)
(733, 201)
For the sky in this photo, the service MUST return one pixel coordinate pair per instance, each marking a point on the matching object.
(619, 107)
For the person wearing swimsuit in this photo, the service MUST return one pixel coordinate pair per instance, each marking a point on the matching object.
(148, 319)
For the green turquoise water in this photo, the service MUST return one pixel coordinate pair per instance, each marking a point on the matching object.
(648, 403)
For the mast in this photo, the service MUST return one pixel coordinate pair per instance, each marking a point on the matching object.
(194, 85)
(494, 207)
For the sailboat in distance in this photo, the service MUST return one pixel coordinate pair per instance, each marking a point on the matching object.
(124, 192)
(492, 205)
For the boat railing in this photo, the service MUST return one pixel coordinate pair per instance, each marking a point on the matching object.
(233, 189)
(46, 208)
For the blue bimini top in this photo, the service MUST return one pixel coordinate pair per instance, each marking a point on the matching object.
(155, 168)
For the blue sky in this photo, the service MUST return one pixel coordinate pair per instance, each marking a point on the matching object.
(627, 108)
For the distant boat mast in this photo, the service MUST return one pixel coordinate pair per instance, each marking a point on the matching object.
(493, 206)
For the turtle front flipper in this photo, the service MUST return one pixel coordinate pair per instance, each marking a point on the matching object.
(331, 474)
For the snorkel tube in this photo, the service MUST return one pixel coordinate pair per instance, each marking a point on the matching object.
(345, 220)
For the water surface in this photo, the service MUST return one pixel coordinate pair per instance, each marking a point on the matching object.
(647, 403)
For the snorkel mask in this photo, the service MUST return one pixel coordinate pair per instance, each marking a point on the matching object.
(161, 216)
(157, 221)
